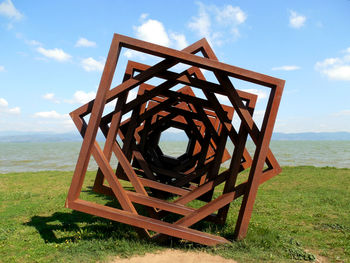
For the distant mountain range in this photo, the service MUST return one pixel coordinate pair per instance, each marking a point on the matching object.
(41, 137)
(38, 137)
(166, 136)
(306, 136)
(312, 136)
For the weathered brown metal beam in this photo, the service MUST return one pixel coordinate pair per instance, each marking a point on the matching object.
(206, 122)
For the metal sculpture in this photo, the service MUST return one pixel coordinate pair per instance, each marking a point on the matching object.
(133, 128)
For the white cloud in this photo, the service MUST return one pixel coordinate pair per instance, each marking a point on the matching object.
(9, 10)
(50, 115)
(180, 40)
(153, 31)
(56, 54)
(5, 109)
(33, 42)
(296, 20)
(3, 103)
(202, 22)
(261, 94)
(129, 53)
(83, 42)
(228, 19)
(51, 97)
(82, 97)
(90, 64)
(2, 68)
(327, 62)
(29, 42)
(15, 110)
(39, 122)
(230, 14)
(287, 68)
(337, 68)
(338, 72)
(143, 16)
(52, 121)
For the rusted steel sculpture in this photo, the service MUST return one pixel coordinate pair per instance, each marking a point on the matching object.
(133, 128)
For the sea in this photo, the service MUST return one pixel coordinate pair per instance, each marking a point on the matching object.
(62, 156)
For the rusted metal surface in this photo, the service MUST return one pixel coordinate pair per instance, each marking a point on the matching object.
(133, 129)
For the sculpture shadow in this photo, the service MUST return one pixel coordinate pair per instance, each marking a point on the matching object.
(61, 227)
(70, 226)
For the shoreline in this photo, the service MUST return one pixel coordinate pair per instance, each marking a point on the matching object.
(95, 170)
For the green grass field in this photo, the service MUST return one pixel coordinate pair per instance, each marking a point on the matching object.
(300, 215)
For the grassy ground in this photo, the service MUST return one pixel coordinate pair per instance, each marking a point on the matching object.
(300, 215)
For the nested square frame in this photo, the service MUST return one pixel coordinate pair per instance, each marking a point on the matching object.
(239, 159)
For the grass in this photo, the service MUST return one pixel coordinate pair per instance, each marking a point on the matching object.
(300, 215)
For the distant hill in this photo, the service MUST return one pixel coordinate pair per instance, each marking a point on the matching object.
(166, 136)
(312, 136)
(307, 136)
(41, 137)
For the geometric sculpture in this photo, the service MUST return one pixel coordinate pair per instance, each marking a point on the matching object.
(162, 184)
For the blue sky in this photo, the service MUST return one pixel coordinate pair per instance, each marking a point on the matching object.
(53, 52)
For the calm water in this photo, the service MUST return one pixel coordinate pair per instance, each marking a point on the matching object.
(25, 157)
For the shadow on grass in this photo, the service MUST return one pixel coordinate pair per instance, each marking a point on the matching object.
(71, 226)
(59, 222)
